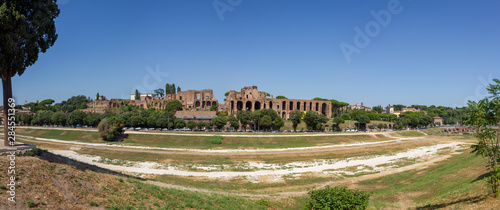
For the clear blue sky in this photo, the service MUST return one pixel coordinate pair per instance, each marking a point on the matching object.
(429, 52)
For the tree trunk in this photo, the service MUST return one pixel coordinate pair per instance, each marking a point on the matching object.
(7, 93)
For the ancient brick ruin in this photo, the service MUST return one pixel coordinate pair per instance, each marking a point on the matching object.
(459, 130)
(251, 99)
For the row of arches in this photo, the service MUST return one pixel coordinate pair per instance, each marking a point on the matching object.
(320, 107)
(204, 104)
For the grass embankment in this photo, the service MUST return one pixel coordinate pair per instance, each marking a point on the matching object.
(410, 133)
(200, 142)
(48, 185)
(456, 182)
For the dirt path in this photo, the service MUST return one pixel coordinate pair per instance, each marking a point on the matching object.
(346, 181)
(259, 169)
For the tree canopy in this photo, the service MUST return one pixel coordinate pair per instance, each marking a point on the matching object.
(483, 116)
(28, 28)
(173, 106)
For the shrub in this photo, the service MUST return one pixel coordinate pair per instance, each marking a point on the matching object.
(30, 203)
(110, 127)
(215, 139)
(3, 187)
(338, 198)
(93, 203)
(263, 202)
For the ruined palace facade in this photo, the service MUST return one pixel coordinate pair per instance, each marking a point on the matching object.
(251, 99)
(190, 99)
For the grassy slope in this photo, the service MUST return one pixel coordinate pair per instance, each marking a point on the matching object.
(410, 133)
(458, 182)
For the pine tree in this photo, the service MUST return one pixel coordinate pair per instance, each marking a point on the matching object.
(137, 95)
(167, 89)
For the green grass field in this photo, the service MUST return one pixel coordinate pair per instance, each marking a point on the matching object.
(460, 177)
(410, 133)
(200, 142)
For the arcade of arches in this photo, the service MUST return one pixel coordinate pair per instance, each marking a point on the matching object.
(250, 99)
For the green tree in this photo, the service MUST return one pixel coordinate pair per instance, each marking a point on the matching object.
(136, 120)
(213, 108)
(338, 198)
(166, 120)
(110, 128)
(23, 118)
(152, 119)
(97, 96)
(137, 95)
(59, 118)
(27, 28)
(265, 122)
(191, 124)
(278, 123)
(179, 123)
(77, 117)
(338, 121)
(159, 92)
(245, 118)
(93, 119)
(73, 103)
(362, 119)
(201, 125)
(281, 97)
(378, 109)
(296, 118)
(234, 122)
(46, 102)
(219, 122)
(168, 90)
(380, 126)
(346, 116)
(483, 116)
(173, 105)
(314, 120)
(173, 89)
(178, 89)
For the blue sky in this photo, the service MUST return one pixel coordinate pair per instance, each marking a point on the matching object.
(429, 52)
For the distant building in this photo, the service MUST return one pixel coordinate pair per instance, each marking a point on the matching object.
(389, 109)
(196, 116)
(357, 106)
(403, 110)
(143, 96)
(437, 120)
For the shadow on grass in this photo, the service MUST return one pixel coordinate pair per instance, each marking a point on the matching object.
(470, 200)
(483, 176)
(53, 158)
(119, 138)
